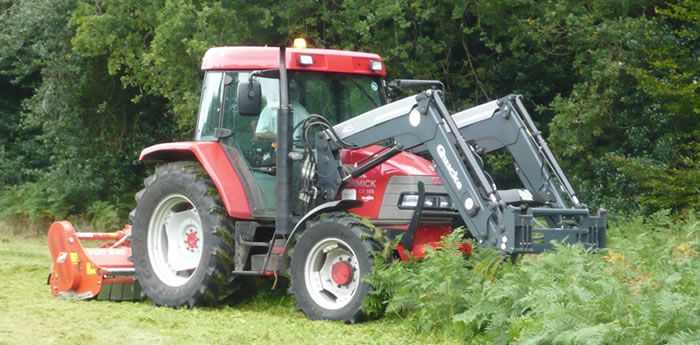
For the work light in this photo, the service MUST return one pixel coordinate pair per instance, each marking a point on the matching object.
(376, 66)
(306, 60)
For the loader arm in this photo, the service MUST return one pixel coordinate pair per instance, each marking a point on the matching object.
(423, 120)
(505, 123)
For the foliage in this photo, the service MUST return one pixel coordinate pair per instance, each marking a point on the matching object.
(86, 84)
(104, 216)
(642, 290)
(632, 116)
(430, 291)
(74, 141)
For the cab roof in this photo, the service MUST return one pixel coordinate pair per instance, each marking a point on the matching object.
(254, 58)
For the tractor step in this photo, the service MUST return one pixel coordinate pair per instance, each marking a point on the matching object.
(257, 262)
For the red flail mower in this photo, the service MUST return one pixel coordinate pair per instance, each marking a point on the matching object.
(104, 272)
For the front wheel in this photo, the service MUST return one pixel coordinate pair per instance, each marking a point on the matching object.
(328, 264)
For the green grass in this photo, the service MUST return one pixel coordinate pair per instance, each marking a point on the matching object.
(644, 289)
(29, 314)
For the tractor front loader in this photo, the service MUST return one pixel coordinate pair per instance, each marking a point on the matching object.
(499, 219)
(297, 156)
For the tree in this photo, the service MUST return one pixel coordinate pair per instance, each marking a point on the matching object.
(88, 83)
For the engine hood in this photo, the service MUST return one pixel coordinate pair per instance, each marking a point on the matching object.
(371, 187)
(404, 163)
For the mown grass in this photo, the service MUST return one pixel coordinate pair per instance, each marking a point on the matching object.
(29, 314)
(643, 289)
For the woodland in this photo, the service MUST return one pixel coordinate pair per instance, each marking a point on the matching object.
(86, 84)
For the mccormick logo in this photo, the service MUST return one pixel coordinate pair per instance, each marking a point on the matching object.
(362, 184)
(450, 169)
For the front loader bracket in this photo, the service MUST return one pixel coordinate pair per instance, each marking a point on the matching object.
(523, 236)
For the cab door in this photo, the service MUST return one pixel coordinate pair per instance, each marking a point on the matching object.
(218, 109)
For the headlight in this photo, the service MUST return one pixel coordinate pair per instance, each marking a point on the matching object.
(445, 202)
(408, 201)
(432, 201)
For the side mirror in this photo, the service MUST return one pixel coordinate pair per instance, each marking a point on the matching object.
(222, 133)
(249, 97)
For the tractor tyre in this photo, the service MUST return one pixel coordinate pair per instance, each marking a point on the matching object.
(182, 238)
(328, 263)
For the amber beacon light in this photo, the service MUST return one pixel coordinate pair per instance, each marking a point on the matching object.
(299, 43)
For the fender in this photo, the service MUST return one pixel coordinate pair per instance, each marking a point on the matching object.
(331, 206)
(212, 157)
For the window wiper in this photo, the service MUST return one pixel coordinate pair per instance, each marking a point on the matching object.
(363, 91)
(267, 170)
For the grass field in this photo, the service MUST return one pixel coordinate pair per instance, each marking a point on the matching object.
(644, 289)
(29, 314)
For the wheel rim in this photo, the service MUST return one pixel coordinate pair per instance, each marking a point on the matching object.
(332, 273)
(175, 240)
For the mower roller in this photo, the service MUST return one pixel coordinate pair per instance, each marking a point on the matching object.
(83, 273)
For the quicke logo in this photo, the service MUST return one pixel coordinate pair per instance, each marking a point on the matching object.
(450, 169)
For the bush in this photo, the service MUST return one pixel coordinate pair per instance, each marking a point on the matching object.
(643, 289)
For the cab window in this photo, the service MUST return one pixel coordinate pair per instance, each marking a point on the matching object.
(210, 106)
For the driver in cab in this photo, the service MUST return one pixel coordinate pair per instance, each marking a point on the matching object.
(266, 128)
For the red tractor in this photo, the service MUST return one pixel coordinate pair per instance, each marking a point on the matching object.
(297, 155)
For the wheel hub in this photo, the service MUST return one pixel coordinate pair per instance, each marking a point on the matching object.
(332, 273)
(342, 273)
(192, 240)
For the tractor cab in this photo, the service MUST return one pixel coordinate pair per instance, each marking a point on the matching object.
(335, 84)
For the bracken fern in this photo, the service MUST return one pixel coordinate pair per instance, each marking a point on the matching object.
(643, 289)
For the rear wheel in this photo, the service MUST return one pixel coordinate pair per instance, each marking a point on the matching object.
(174, 240)
(179, 240)
(328, 262)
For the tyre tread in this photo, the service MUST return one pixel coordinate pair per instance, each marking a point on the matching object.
(359, 229)
(217, 283)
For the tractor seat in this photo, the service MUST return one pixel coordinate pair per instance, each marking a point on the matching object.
(518, 197)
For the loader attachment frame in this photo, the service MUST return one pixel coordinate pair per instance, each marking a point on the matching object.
(454, 142)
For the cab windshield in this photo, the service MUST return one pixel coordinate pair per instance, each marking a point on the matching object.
(336, 96)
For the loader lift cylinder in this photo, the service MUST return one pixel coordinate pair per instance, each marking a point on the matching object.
(546, 152)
